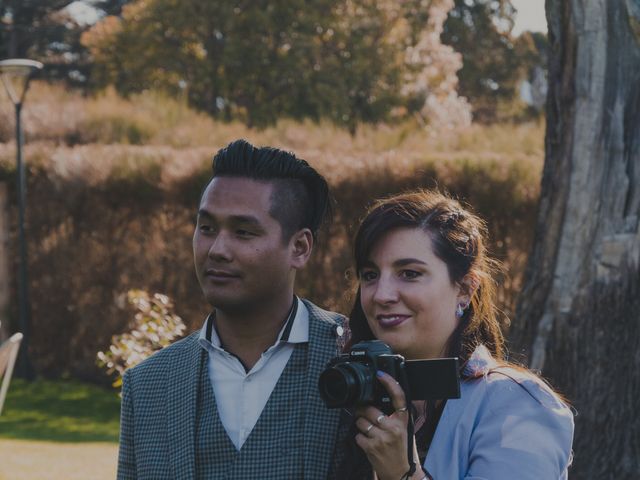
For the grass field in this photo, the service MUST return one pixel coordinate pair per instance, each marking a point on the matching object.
(59, 430)
(60, 411)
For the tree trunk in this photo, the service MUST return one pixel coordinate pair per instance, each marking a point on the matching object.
(578, 317)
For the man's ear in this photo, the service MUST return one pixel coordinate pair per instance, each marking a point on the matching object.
(301, 245)
(468, 286)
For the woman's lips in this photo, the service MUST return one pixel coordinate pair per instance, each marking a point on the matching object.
(391, 320)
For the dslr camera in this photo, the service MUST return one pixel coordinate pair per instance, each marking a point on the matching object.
(349, 380)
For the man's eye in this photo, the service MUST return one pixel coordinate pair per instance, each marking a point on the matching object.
(245, 233)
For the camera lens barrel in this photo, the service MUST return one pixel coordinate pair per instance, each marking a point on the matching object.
(345, 385)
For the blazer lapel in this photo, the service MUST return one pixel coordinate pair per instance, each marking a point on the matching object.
(320, 422)
(182, 396)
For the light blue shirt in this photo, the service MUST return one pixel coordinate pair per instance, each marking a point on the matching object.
(506, 425)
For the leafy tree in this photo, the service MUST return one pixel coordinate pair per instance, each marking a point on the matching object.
(253, 60)
(261, 60)
(25, 23)
(433, 66)
(45, 30)
(358, 67)
(492, 62)
(532, 49)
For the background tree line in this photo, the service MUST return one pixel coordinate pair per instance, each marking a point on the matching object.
(348, 61)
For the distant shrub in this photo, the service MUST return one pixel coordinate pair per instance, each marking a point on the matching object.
(117, 129)
(60, 115)
(155, 327)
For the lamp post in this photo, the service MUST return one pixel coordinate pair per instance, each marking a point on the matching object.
(16, 75)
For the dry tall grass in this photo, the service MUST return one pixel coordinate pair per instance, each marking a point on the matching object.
(91, 138)
(53, 113)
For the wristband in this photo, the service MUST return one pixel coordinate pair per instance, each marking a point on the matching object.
(407, 476)
(409, 473)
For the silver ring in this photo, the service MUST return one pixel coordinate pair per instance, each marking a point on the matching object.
(369, 427)
(380, 418)
(403, 409)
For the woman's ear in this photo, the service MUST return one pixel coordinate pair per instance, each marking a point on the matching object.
(468, 286)
(301, 245)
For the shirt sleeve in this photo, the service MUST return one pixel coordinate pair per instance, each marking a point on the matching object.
(522, 431)
(126, 455)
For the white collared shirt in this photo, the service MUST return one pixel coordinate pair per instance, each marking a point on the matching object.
(240, 395)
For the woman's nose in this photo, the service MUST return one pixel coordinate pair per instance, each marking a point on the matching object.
(385, 292)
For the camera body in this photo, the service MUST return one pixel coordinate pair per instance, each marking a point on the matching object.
(350, 380)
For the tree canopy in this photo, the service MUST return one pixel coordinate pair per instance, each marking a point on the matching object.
(494, 62)
(46, 30)
(348, 61)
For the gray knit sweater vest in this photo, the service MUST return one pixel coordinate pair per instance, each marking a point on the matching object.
(273, 450)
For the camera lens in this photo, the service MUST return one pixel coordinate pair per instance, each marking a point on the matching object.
(345, 385)
(336, 386)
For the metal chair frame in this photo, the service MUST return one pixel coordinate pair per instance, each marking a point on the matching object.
(8, 354)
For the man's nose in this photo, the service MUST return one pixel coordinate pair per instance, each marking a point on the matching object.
(220, 248)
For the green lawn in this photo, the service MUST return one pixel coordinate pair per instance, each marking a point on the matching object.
(60, 411)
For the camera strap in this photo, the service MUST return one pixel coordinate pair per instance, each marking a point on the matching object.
(410, 432)
(412, 463)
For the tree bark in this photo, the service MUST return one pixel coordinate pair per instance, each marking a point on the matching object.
(578, 316)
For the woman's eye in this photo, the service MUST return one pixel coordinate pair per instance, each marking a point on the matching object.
(205, 228)
(409, 274)
(368, 275)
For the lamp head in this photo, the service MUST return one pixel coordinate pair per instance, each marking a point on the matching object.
(15, 74)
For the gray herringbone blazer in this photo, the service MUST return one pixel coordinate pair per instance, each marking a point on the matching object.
(159, 406)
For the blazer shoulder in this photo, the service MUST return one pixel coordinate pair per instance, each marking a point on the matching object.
(317, 313)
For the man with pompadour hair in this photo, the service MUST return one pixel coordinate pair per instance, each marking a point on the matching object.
(301, 198)
(238, 399)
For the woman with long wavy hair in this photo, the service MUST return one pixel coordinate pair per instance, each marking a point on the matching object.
(426, 288)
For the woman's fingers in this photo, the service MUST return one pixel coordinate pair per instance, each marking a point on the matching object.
(369, 416)
(374, 424)
(396, 393)
(384, 441)
(365, 426)
(384, 438)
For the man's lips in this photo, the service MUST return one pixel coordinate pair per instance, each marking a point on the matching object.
(218, 274)
(389, 320)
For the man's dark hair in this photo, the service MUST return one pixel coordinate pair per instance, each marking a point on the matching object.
(300, 197)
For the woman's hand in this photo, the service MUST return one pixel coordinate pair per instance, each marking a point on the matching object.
(384, 438)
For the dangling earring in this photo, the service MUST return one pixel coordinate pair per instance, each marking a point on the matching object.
(460, 310)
